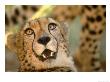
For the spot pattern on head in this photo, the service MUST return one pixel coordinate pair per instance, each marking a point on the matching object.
(37, 54)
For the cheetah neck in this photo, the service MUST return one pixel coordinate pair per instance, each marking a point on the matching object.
(63, 59)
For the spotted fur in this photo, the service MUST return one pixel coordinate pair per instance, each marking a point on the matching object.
(87, 55)
(93, 20)
(35, 55)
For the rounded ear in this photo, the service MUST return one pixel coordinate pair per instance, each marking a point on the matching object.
(11, 42)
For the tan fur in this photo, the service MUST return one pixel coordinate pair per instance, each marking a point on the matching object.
(67, 13)
(25, 51)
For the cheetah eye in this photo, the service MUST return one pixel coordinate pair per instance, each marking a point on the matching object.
(52, 26)
(29, 31)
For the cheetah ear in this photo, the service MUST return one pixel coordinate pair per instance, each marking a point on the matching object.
(65, 29)
(11, 42)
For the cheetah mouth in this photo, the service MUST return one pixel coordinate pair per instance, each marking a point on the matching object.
(47, 54)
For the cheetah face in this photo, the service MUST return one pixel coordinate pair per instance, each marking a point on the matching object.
(41, 37)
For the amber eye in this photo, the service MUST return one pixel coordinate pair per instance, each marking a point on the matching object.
(29, 31)
(52, 26)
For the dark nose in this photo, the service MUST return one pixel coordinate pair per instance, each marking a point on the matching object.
(44, 40)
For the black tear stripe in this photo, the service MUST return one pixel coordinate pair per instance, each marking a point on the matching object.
(36, 55)
(55, 39)
(33, 44)
(23, 43)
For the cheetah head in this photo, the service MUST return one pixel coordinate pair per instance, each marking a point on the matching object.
(42, 43)
(42, 35)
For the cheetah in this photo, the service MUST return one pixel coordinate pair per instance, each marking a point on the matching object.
(42, 46)
(87, 54)
(93, 20)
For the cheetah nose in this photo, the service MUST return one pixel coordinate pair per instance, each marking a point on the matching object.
(44, 40)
